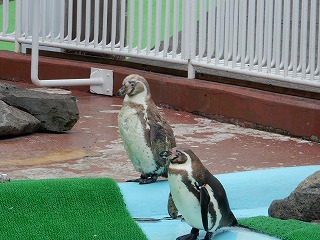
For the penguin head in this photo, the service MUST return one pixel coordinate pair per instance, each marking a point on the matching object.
(175, 156)
(133, 85)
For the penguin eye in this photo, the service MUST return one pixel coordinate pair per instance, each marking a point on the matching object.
(132, 84)
(179, 153)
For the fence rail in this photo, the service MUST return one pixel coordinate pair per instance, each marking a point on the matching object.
(275, 39)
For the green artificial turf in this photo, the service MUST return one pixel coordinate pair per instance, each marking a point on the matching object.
(65, 209)
(12, 8)
(284, 229)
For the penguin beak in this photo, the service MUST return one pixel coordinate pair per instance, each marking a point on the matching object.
(122, 91)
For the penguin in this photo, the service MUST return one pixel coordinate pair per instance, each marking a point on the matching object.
(197, 194)
(143, 130)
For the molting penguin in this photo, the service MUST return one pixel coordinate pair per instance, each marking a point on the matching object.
(144, 132)
(197, 194)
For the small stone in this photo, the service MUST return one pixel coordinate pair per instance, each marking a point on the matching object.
(4, 178)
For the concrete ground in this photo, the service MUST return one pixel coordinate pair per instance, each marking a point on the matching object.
(93, 147)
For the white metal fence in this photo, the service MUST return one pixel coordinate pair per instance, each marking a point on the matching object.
(275, 39)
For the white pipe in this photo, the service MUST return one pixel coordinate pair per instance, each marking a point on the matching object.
(35, 61)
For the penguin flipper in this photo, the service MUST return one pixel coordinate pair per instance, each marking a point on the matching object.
(204, 205)
(172, 209)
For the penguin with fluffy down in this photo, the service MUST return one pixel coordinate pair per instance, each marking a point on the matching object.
(143, 130)
(197, 194)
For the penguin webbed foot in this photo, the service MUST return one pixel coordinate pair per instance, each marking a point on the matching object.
(145, 179)
(208, 236)
(193, 235)
(148, 179)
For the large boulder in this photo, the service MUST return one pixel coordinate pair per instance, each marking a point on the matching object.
(302, 204)
(15, 122)
(57, 113)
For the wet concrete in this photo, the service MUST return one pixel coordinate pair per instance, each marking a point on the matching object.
(93, 148)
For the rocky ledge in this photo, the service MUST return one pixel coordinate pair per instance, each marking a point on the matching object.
(24, 111)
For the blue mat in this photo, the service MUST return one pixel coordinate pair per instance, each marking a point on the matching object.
(250, 194)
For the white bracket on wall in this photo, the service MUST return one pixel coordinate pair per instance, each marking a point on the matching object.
(107, 86)
(100, 81)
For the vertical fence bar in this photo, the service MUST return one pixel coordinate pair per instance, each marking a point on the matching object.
(43, 5)
(79, 17)
(243, 34)
(226, 34)
(303, 39)
(211, 26)
(318, 47)
(260, 28)
(5, 11)
(312, 38)
(18, 26)
(52, 13)
(149, 27)
(176, 17)
(122, 24)
(192, 10)
(105, 23)
(167, 28)
(113, 24)
(235, 33)
(131, 25)
(265, 33)
(251, 33)
(96, 23)
(88, 19)
(158, 26)
(140, 20)
(277, 36)
(193, 29)
(202, 29)
(25, 18)
(295, 37)
(62, 16)
(218, 33)
(70, 20)
(230, 43)
(270, 35)
(184, 35)
(286, 36)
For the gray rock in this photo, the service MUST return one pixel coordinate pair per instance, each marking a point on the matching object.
(57, 113)
(302, 204)
(15, 122)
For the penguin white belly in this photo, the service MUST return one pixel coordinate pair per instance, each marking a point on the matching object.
(131, 130)
(187, 204)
